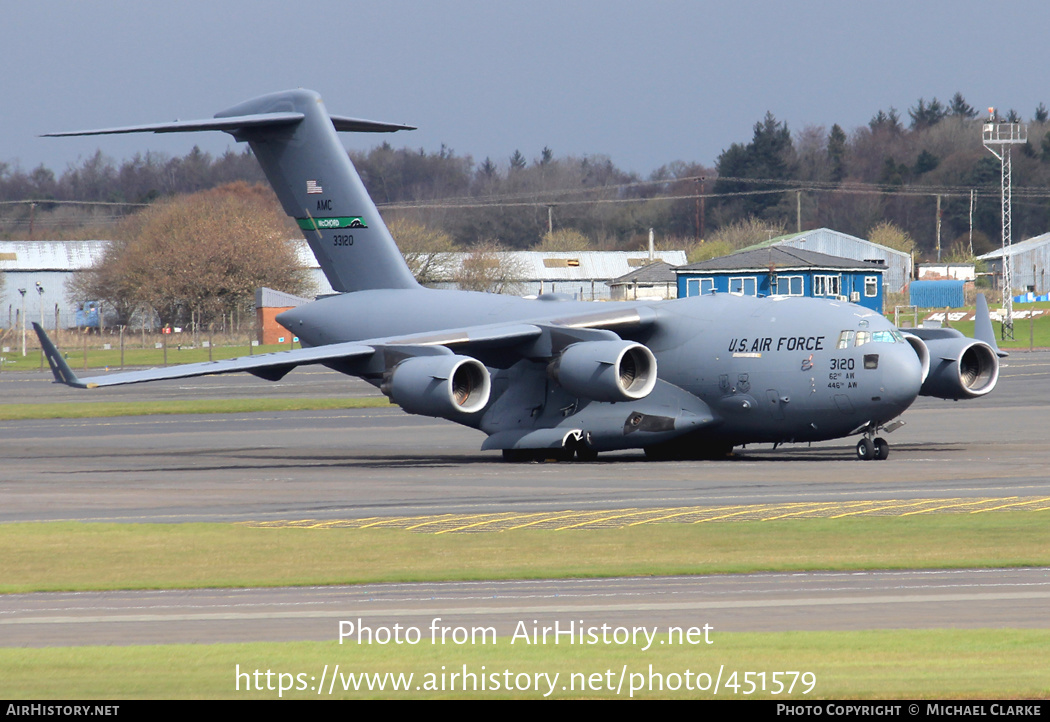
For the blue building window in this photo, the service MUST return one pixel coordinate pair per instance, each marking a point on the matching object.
(743, 286)
(827, 285)
(789, 285)
(699, 286)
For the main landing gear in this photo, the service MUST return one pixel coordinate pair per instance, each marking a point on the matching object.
(870, 448)
(574, 450)
(523, 456)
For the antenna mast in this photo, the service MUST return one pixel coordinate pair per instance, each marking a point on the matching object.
(999, 136)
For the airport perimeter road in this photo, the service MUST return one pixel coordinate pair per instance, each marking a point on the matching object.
(966, 599)
(380, 462)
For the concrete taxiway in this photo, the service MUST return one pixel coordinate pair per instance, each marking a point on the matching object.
(375, 462)
(381, 462)
(963, 599)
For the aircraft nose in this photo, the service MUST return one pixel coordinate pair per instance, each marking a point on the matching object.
(901, 375)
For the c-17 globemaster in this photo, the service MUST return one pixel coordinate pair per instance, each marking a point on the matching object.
(548, 377)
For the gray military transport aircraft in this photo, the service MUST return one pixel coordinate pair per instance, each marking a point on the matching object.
(556, 378)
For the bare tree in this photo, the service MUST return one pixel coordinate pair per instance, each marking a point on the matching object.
(198, 256)
(490, 269)
(891, 236)
(747, 232)
(565, 239)
(428, 252)
(108, 282)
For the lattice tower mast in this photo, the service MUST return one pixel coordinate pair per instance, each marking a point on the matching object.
(999, 136)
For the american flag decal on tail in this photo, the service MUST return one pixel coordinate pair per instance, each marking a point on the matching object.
(313, 187)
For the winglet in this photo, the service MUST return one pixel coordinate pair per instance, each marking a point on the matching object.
(982, 328)
(63, 374)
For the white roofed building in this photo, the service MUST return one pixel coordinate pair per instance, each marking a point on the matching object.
(582, 275)
(50, 264)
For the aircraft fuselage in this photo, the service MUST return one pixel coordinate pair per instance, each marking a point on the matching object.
(777, 369)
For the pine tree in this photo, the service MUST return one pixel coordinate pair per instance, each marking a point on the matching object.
(925, 115)
(770, 156)
(837, 153)
(960, 108)
(889, 122)
(926, 162)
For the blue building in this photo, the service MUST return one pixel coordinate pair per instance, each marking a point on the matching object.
(785, 271)
(842, 245)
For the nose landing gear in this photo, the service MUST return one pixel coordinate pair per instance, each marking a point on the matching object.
(872, 447)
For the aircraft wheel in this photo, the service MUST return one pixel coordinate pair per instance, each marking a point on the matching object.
(882, 449)
(518, 456)
(586, 453)
(865, 449)
(566, 453)
(578, 449)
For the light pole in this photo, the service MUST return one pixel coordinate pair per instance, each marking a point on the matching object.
(23, 292)
(40, 295)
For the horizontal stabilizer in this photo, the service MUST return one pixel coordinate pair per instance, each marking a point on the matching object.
(297, 145)
(240, 123)
(230, 125)
(359, 125)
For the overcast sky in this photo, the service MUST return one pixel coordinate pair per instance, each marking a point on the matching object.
(645, 83)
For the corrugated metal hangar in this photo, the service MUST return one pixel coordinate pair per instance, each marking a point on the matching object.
(50, 264)
(1031, 264)
(833, 243)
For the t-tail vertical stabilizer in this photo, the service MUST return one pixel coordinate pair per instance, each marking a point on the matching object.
(295, 141)
(320, 188)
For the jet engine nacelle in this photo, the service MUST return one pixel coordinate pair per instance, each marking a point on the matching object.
(960, 368)
(444, 386)
(605, 370)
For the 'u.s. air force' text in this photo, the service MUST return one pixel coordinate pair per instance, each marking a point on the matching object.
(784, 343)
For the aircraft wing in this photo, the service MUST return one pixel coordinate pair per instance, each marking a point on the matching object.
(272, 366)
(544, 332)
(536, 339)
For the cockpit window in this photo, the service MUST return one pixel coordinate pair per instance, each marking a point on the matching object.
(848, 339)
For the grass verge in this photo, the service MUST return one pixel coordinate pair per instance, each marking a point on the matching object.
(98, 358)
(108, 409)
(1029, 332)
(893, 664)
(90, 556)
